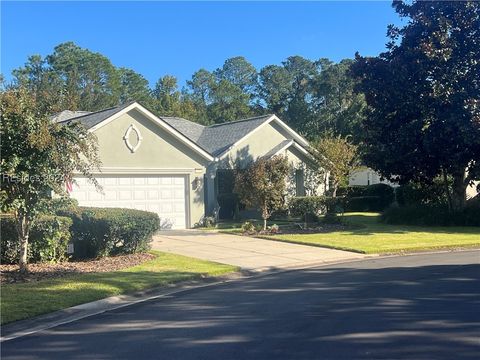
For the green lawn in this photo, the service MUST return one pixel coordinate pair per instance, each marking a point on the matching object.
(369, 236)
(24, 300)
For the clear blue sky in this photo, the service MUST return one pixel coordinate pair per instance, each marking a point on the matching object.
(158, 38)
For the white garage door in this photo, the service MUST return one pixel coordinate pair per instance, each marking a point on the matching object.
(164, 195)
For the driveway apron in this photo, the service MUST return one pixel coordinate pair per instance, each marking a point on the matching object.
(248, 253)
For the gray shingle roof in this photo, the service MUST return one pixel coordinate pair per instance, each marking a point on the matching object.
(219, 137)
(67, 115)
(188, 128)
(94, 118)
(215, 139)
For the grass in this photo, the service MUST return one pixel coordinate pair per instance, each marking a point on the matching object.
(25, 300)
(369, 236)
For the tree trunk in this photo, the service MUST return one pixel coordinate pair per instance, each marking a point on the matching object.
(459, 191)
(447, 190)
(335, 188)
(265, 215)
(23, 230)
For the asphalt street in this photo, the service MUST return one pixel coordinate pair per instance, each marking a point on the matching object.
(409, 307)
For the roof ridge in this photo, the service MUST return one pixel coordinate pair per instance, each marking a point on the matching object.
(99, 111)
(181, 118)
(241, 120)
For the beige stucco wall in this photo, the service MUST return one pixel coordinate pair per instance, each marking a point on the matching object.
(159, 153)
(257, 144)
(251, 148)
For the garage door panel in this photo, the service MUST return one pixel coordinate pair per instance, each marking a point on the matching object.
(164, 195)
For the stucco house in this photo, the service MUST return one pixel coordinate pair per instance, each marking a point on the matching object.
(171, 166)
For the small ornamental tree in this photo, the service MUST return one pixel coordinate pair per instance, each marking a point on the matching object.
(38, 157)
(263, 185)
(338, 157)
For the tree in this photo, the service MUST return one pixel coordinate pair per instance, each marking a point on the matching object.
(167, 95)
(239, 72)
(42, 82)
(262, 185)
(229, 103)
(337, 107)
(72, 78)
(337, 156)
(423, 96)
(38, 157)
(134, 87)
(287, 91)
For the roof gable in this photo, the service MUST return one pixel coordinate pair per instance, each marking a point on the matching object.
(211, 141)
(96, 120)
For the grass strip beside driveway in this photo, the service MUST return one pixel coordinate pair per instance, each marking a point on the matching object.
(25, 300)
(369, 236)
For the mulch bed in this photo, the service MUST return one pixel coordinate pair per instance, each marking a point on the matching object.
(10, 274)
(319, 229)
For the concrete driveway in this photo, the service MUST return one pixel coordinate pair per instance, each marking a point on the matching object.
(246, 252)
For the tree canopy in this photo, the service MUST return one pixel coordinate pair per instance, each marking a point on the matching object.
(311, 96)
(38, 157)
(423, 95)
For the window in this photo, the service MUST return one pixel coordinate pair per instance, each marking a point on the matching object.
(299, 183)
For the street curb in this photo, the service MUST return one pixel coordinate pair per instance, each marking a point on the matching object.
(33, 325)
(48, 321)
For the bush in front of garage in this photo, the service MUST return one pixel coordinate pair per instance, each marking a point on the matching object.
(48, 240)
(99, 232)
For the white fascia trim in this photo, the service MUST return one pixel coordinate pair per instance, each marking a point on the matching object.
(296, 136)
(139, 171)
(275, 118)
(159, 122)
(296, 146)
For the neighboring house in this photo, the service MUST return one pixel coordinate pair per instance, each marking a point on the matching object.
(170, 165)
(473, 190)
(366, 176)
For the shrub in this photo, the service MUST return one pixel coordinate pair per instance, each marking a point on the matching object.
(364, 203)
(414, 193)
(99, 232)
(431, 215)
(385, 192)
(306, 207)
(273, 229)
(48, 241)
(248, 227)
(206, 221)
(57, 205)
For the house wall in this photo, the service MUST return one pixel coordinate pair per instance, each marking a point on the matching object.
(251, 148)
(159, 153)
(260, 142)
(367, 176)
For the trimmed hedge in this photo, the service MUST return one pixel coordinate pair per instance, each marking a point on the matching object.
(99, 232)
(306, 207)
(365, 203)
(431, 215)
(309, 207)
(375, 197)
(415, 194)
(48, 242)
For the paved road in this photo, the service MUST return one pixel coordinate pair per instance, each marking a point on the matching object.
(412, 307)
(246, 252)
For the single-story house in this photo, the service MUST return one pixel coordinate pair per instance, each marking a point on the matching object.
(365, 176)
(172, 166)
